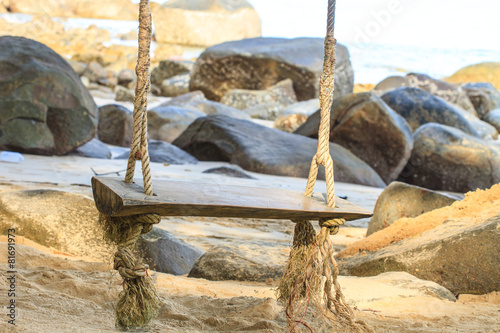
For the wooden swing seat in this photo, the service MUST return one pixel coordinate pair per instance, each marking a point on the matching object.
(114, 197)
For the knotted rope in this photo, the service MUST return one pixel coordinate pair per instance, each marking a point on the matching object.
(138, 303)
(310, 279)
(309, 284)
(327, 84)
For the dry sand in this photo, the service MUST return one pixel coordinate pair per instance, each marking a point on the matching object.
(58, 292)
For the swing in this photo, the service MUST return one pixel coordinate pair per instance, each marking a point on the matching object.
(128, 209)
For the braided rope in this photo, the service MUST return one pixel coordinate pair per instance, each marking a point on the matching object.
(139, 146)
(138, 303)
(125, 262)
(327, 84)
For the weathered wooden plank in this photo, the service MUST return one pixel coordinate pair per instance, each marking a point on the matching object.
(185, 198)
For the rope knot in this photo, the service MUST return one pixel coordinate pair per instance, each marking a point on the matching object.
(125, 264)
(332, 224)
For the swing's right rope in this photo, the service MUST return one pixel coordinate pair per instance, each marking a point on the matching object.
(327, 81)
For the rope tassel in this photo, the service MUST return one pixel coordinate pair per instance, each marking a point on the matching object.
(309, 285)
(138, 303)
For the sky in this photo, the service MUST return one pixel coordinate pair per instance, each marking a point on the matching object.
(450, 24)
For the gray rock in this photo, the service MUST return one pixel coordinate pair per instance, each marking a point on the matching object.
(78, 67)
(493, 118)
(391, 83)
(166, 123)
(279, 96)
(484, 96)
(176, 85)
(44, 107)
(95, 72)
(460, 255)
(186, 99)
(169, 68)
(267, 111)
(196, 101)
(305, 107)
(366, 126)
(124, 95)
(222, 263)
(266, 150)
(445, 158)
(215, 108)
(116, 124)
(110, 82)
(93, 149)
(164, 152)
(166, 253)
(258, 63)
(447, 91)
(419, 107)
(85, 81)
(126, 77)
(400, 200)
(230, 172)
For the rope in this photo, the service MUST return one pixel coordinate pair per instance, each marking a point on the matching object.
(310, 281)
(139, 146)
(138, 303)
(327, 83)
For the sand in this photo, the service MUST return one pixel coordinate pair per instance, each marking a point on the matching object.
(57, 291)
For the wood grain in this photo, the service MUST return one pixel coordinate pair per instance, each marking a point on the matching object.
(185, 198)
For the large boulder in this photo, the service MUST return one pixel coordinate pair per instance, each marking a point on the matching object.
(205, 22)
(93, 149)
(456, 246)
(483, 72)
(403, 200)
(116, 124)
(166, 123)
(164, 152)
(366, 126)
(258, 63)
(445, 158)
(166, 253)
(196, 101)
(281, 94)
(305, 107)
(44, 107)
(483, 96)
(260, 149)
(419, 107)
(113, 10)
(65, 221)
(449, 92)
(461, 257)
(222, 263)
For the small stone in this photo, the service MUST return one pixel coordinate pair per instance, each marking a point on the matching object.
(124, 94)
